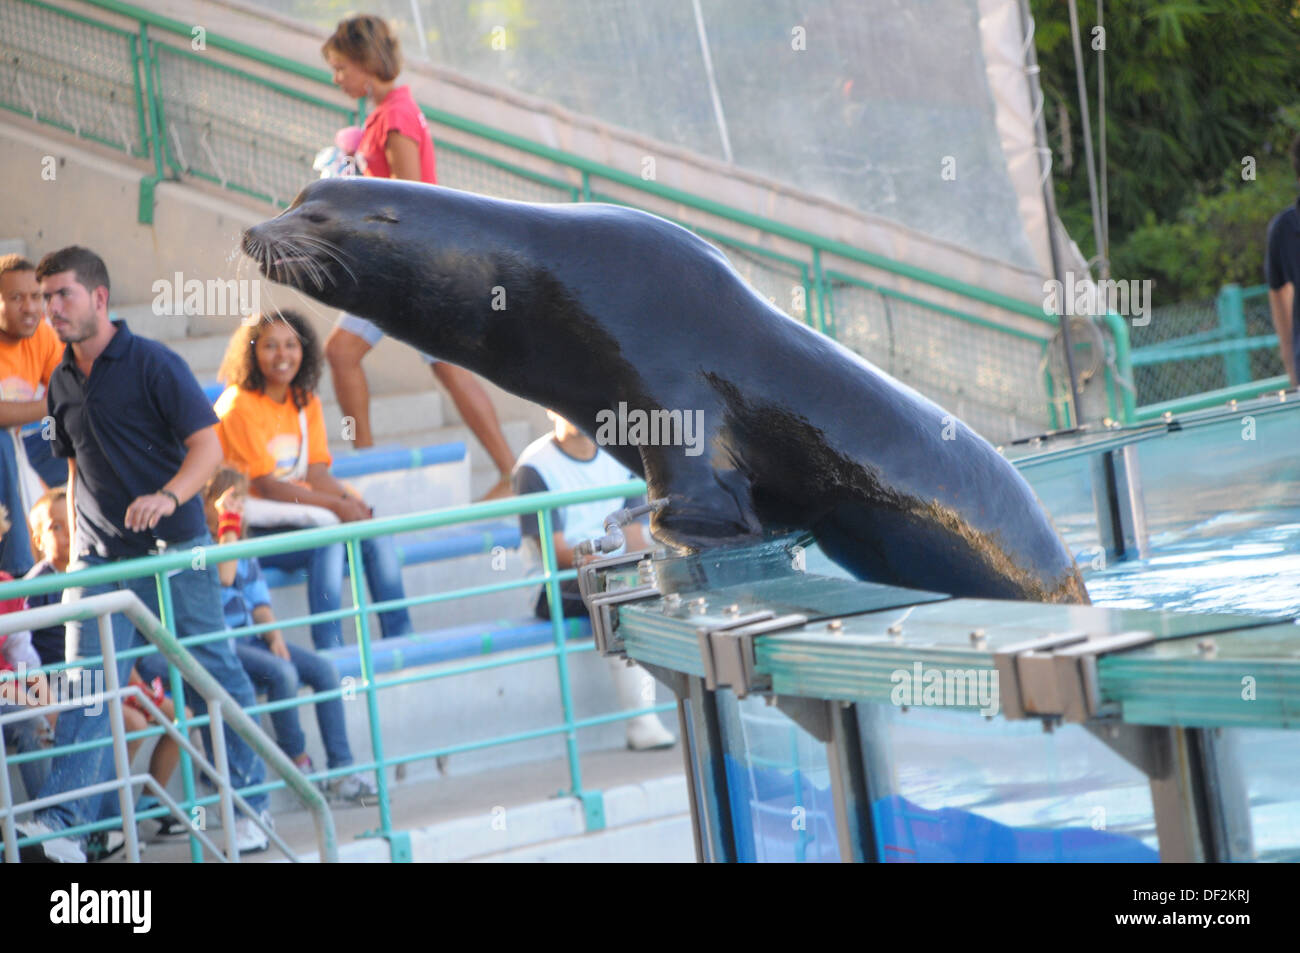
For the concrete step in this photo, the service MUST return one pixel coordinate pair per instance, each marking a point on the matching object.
(391, 415)
(145, 320)
(202, 354)
(483, 472)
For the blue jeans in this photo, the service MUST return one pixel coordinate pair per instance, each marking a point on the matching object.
(196, 600)
(16, 547)
(325, 566)
(26, 736)
(279, 678)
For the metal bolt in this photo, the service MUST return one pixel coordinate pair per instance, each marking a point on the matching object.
(1232, 404)
(700, 605)
(672, 601)
(835, 625)
(1169, 415)
(895, 629)
(733, 609)
(1281, 397)
(978, 638)
(645, 572)
(1207, 648)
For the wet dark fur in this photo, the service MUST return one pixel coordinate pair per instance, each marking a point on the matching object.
(605, 304)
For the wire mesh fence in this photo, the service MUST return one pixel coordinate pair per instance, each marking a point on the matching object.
(235, 129)
(257, 136)
(992, 381)
(81, 77)
(1197, 346)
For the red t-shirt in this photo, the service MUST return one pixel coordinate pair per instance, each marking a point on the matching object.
(8, 605)
(397, 113)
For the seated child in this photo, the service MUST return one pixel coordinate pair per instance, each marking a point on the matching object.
(274, 665)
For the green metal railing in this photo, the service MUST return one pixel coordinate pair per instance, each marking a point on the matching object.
(350, 535)
(1195, 354)
(209, 117)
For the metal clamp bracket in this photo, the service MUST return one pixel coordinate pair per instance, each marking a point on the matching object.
(588, 583)
(1056, 676)
(728, 650)
(604, 615)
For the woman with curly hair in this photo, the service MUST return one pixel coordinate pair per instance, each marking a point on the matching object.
(272, 429)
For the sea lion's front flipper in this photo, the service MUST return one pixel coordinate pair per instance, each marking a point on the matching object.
(706, 507)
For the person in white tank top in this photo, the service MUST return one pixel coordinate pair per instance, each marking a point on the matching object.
(568, 459)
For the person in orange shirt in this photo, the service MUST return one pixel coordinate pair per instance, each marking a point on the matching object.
(29, 352)
(272, 429)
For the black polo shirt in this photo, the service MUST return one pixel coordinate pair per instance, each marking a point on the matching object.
(126, 428)
(1282, 262)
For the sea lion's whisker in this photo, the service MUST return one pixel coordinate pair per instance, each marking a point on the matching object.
(331, 251)
(298, 262)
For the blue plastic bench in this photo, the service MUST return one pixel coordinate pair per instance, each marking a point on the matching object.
(444, 645)
(473, 540)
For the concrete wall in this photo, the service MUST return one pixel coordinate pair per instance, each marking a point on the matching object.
(93, 201)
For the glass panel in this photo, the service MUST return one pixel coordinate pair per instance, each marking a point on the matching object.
(1267, 762)
(779, 783)
(1064, 487)
(953, 787)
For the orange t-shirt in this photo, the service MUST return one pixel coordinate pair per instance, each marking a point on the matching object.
(26, 365)
(261, 437)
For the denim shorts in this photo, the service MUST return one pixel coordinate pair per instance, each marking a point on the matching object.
(368, 332)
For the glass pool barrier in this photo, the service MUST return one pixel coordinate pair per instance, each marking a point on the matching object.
(830, 719)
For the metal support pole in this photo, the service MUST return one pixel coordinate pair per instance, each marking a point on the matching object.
(167, 615)
(853, 826)
(549, 567)
(9, 831)
(1049, 204)
(117, 724)
(223, 782)
(355, 574)
(706, 748)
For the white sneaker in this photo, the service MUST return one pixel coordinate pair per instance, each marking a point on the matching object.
(251, 839)
(353, 787)
(647, 733)
(57, 850)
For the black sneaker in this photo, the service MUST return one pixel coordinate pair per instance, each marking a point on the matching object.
(58, 850)
(102, 845)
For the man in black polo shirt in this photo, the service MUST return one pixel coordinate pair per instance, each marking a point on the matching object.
(1282, 272)
(138, 434)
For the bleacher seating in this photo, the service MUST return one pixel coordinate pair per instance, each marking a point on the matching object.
(456, 642)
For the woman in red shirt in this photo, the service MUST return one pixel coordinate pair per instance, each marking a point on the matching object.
(365, 58)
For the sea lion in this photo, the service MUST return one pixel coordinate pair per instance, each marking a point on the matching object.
(586, 308)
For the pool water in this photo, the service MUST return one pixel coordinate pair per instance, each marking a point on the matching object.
(966, 789)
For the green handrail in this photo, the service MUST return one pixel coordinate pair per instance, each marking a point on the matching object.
(350, 534)
(817, 244)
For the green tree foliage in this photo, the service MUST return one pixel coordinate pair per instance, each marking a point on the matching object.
(1192, 88)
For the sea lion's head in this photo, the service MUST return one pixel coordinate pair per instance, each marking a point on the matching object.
(337, 238)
